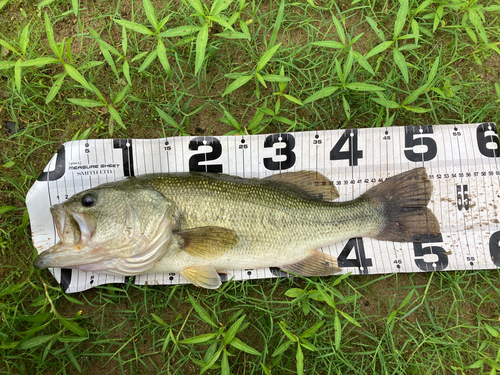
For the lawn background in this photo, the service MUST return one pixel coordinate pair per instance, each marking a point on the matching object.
(148, 69)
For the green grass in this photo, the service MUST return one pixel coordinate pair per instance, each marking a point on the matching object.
(80, 69)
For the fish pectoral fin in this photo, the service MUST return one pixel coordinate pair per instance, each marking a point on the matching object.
(316, 264)
(208, 242)
(202, 276)
(310, 183)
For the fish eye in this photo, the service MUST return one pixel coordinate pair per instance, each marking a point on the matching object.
(88, 200)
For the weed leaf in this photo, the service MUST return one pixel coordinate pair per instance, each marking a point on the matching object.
(149, 9)
(267, 56)
(77, 76)
(401, 63)
(379, 48)
(361, 86)
(400, 18)
(202, 312)
(201, 44)
(86, 102)
(198, 339)
(162, 56)
(282, 348)
(116, 116)
(219, 6)
(236, 84)
(55, 88)
(35, 341)
(277, 23)
(300, 358)
(137, 27)
(147, 62)
(179, 31)
(323, 93)
(340, 30)
(329, 44)
(196, 4)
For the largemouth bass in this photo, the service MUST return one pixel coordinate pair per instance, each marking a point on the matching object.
(197, 224)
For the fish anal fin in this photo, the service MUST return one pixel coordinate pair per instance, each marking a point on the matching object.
(316, 264)
(202, 276)
(208, 242)
(312, 184)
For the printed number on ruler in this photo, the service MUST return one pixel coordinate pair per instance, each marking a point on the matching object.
(360, 260)
(415, 140)
(196, 159)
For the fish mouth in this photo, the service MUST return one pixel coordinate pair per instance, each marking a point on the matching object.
(76, 249)
(73, 249)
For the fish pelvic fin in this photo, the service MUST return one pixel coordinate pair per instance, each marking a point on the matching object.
(316, 264)
(310, 184)
(405, 197)
(208, 242)
(202, 276)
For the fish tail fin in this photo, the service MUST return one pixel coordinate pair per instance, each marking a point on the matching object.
(405, 198)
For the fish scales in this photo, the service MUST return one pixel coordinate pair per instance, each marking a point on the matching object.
(264, 218)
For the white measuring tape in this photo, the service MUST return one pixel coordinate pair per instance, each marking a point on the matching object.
(462, 161)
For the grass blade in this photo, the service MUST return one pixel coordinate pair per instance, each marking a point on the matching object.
(201, 44)
(17, 75)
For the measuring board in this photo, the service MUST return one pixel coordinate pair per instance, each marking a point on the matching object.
(462, 161)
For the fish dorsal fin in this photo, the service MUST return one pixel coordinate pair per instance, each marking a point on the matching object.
(316, 264)
(203, 276)
(312, 184)
(208, 242)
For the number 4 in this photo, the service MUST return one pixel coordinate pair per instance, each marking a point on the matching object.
(353, 154)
